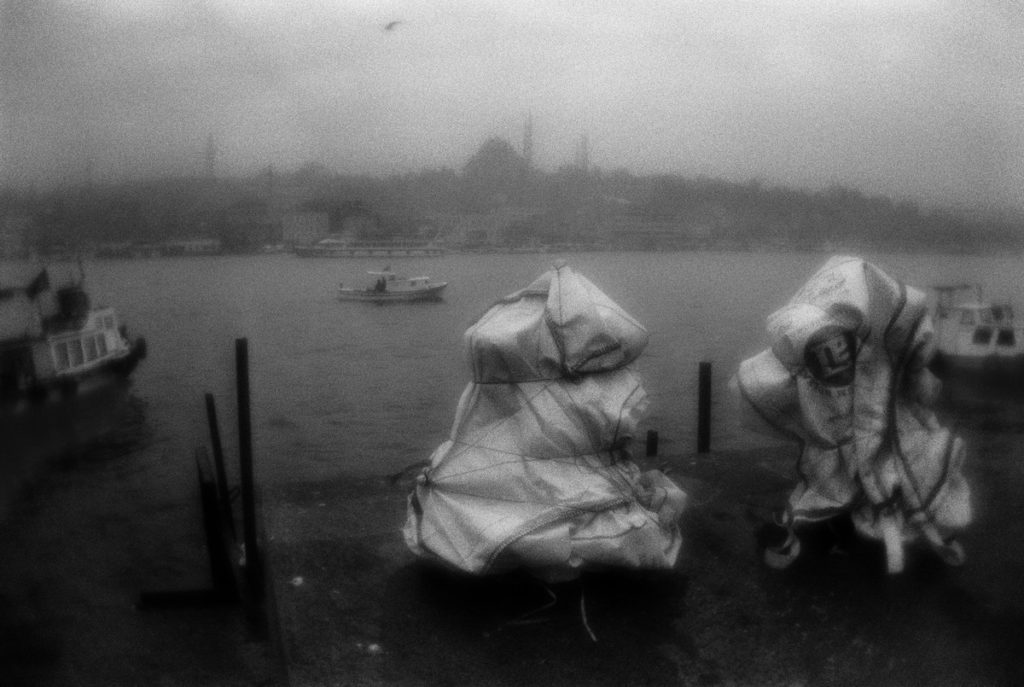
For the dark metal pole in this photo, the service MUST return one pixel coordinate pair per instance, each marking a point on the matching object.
(253, 570)
(221, 573)
(652, 443)
(704, 408)
(218, 459)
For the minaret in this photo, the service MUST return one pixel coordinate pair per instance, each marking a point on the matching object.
(528, 141)
(583, 154)
(211, 157)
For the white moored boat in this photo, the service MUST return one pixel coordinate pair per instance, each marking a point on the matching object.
(388, 287)
(52, 339)
(976, 339)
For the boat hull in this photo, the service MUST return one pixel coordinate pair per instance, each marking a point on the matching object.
(432, 293)
(59, 427)
(68, 384)
(995, 373)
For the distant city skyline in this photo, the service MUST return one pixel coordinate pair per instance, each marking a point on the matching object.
(919, 100)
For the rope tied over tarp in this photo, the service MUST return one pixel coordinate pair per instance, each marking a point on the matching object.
(846, 375)
(536, 472)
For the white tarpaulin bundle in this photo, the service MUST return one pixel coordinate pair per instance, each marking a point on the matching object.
(847, 376)
(535, 473)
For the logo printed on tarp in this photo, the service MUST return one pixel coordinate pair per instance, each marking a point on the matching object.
(830, 355)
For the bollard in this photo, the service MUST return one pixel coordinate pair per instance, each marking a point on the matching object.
(652, 443)
(704, 408)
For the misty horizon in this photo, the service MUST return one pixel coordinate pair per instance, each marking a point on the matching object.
(918, 102)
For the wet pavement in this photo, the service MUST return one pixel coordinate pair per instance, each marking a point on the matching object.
(356, 608)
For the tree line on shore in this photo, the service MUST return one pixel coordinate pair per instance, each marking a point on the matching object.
(574, 205)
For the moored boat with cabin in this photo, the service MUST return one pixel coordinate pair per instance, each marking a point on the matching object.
(388, 287)
(52, 339)
(977, 340)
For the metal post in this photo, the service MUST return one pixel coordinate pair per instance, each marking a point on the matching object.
(218, 460)
(704, 408)
(222, 574)
(652, 443)
(253, 570)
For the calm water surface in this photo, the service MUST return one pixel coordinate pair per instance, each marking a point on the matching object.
(357, 388)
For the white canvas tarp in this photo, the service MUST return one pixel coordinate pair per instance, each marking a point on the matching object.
(536, 472)
(846, 375)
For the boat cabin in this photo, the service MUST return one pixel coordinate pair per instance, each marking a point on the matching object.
(974, 327)
(388, 281)
(51, 337)
(78, 350)
(33, 357)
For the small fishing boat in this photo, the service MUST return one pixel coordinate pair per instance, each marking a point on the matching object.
(388, 287)
(52, 340)
(976, 339)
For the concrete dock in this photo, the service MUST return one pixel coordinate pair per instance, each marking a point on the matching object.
(356, 608)
(353, 607)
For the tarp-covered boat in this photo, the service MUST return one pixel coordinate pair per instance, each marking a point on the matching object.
(536, 473)
(847, 376)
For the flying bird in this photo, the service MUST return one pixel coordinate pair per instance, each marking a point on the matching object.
(391, 25)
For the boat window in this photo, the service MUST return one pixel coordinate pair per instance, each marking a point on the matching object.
(1006, 338)
(982, 336)
(985, 316)
(101, 344)
(61, 352)
(75, 352)
(967, 317)
(90, 349)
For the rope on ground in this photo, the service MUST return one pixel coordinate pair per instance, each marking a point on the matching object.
(583, 616)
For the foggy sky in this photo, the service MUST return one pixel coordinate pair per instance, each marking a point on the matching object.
(920, 99)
